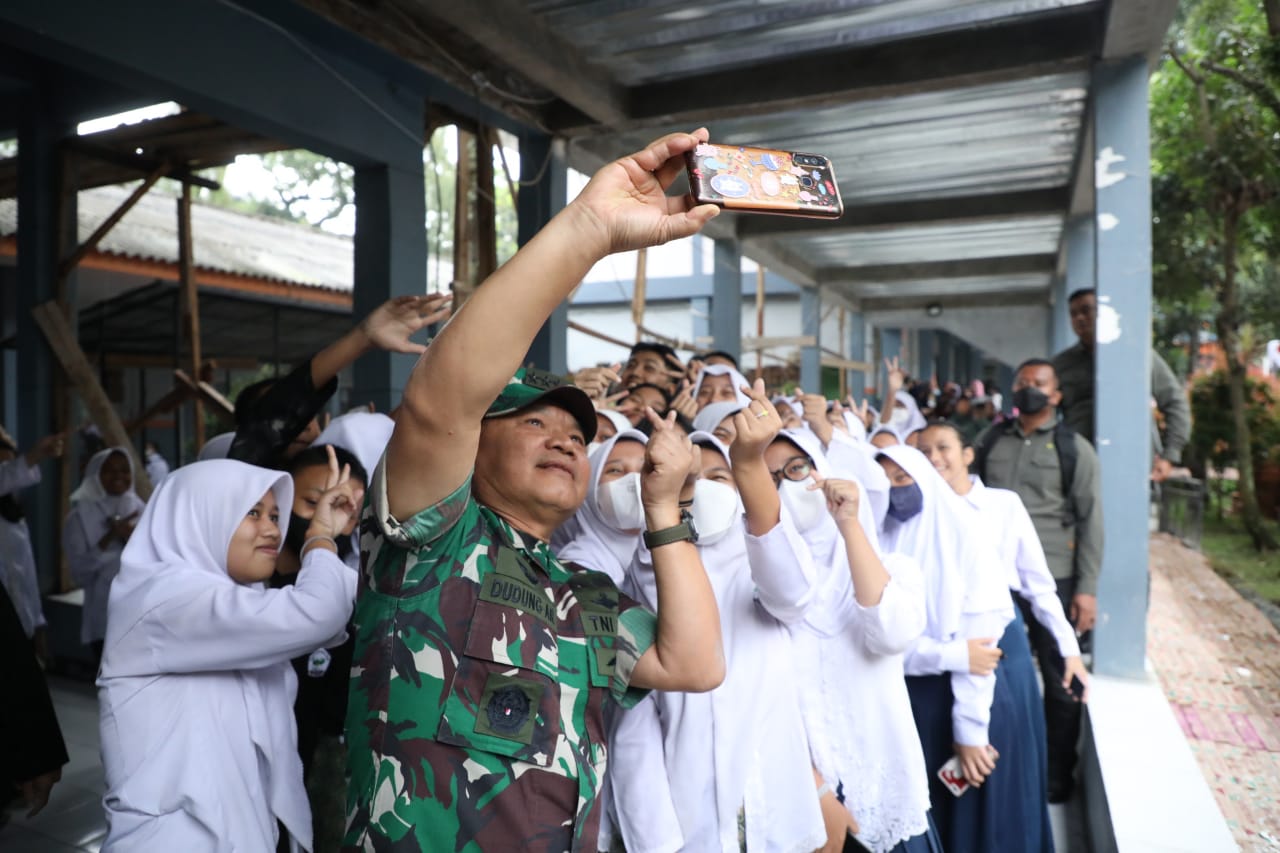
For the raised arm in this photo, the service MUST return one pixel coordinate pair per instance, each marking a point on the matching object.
(757, 426)
(438, 423)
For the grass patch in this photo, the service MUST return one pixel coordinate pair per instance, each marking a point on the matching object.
(1231, 553)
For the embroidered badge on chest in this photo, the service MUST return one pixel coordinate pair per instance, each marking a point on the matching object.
(318, 663)
(508, 709)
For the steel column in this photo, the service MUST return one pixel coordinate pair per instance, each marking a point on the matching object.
(857, 352)
(811, 325)
(726, 297)
(543, 177)
(1081, 274)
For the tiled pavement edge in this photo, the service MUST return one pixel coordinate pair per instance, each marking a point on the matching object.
(1218, 660)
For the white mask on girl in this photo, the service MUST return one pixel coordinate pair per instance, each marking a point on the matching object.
(619, 503)
(716, 507)
(805, 507)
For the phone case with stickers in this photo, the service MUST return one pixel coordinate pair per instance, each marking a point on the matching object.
(953, 777)
(764, 180)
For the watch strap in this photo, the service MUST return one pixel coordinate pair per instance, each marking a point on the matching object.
(657, 538)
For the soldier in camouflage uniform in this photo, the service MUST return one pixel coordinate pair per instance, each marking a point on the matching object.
(482, 664)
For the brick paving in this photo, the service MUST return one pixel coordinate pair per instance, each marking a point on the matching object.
(1218, 659)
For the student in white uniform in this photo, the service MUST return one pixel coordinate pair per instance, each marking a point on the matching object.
(605, 531)
(958, 711)
(865, 611)
(718, 383)
(195, 691)
(735, 768)
(17, 561)
(104, 510)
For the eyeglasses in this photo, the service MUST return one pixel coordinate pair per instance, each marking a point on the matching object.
(797, 468)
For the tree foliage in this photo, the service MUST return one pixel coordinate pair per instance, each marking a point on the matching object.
(1215, 126)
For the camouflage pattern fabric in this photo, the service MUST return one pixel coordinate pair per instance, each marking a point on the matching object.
(481, 669)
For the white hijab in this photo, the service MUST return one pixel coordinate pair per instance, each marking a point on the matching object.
(91, 501)
(587, 539)
(857, 427)
(734, 375)
(916, 419)
(178, 549)
(710, 416)
(363, 434)
(721, 735)
(961, 568)
(216, 447)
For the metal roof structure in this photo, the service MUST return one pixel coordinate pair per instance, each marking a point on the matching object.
(956, 127)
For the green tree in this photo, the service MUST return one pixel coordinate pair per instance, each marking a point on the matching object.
(1216, 179)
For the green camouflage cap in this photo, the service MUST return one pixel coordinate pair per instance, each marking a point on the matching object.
(530, 386)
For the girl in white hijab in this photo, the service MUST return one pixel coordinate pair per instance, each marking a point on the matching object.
(104, 510)
(867, 609)
(605, 531)
(719, 383)
(957, 711)
(729, 769)
(195, 690)
(904, 416)
(362, 434)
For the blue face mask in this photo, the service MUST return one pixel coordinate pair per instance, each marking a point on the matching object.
(905, 502)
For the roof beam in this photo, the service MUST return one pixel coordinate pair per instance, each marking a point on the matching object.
(933, 211)
(1015, 49)
(1137, 27)
(524, 43)
(931, 270)
(959, 300)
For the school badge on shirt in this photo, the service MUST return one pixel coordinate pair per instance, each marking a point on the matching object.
(318, 663)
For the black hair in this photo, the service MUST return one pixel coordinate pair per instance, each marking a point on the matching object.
(719, 353)
(666, 398)
(248, 396)
(1037, 362)
(964, 442)
(1084, 291)
(318, 456)
(667, 353)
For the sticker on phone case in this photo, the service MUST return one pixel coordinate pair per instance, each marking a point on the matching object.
(769, 184)
(730, 186)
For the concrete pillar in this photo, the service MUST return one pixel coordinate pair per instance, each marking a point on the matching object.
(1004, 383)
(1122, 385)
(944, 360)
(975, 364)
(390, 248)
(857, 329)
(542, 196)
(726, 297)
(925, 363)
(811, 325)
(700, 310)
(39, 185)
(1081, 274)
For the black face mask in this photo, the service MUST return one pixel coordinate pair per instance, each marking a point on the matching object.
(1030, 400)
(297, 537)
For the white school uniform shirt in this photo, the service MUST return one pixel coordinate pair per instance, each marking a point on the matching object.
(17, 561)
(966, 595)
(856, 710)
(157, 468)
(739, 747)
(196, 690)
(93, 568)
(1010, 526)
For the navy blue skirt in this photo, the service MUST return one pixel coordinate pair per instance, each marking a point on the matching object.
(1010, 810)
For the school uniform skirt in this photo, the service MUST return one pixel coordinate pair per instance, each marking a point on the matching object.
(1009, 811)
(1028, 766)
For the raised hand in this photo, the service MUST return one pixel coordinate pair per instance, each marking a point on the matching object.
(391, 324)
(815, 414)
(757, 425)
(669, 463)
(49, 447)
(625, 205)
(897, 378)
(596, 381)
(339, 503)
(843, 497)
(683, 402)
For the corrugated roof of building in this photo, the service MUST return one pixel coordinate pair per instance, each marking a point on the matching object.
(225, 241)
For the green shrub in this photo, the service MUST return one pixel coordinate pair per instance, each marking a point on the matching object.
(1213, 435)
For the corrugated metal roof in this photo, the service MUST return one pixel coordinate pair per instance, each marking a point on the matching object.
(644, 42)
(1032, 235)
(222, 240)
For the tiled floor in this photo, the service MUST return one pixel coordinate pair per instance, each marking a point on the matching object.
(1218, 659)
(73, 819)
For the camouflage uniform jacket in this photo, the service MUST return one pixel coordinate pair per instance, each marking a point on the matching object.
(481, 669)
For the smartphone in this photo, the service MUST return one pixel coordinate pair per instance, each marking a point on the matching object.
(763, 180)
(1077, 687)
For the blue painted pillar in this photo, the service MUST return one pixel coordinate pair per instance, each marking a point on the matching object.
(726, 297)
(390, 260)
(890, 348)
(944, 361)
(1004, 379)
(1081, 274)
(926, 360)
(857, 352)
(975, 364)
(1123, 356)
(811, 325)
(542, 196)
(39, 184)
(700, 310)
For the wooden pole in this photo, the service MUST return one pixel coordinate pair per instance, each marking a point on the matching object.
(638, 289)
(71, 261)
(486, 208)
(759, 319)
(463, 221)
(190, 295)
(78, 370)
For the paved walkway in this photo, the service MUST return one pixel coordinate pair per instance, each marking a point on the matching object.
(1218, 659)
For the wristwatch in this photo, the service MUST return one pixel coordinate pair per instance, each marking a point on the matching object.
(682, 532)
